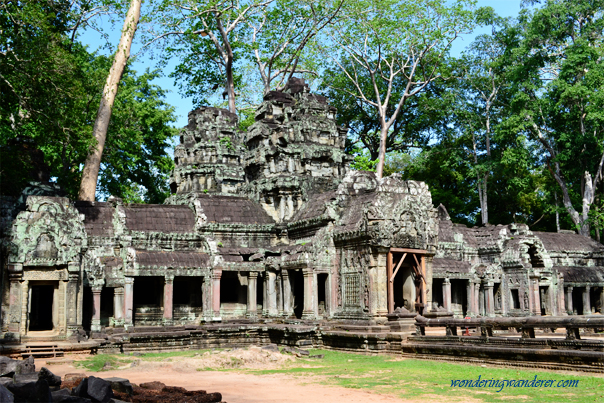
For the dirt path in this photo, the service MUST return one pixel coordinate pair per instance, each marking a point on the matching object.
(239, 387)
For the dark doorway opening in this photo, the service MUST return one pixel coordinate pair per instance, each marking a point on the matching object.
(187, 291)
(544, 300)
(148, 291)
(231, 289)
(322, 293)
(106, 305)
(459, 297)
(515, 299)
(298, 279)
(438, 297)
(594, 299)
(87, 309)
(578, 300)
(41, 307)
(260, 290)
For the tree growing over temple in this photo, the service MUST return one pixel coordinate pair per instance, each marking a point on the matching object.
(396, 45)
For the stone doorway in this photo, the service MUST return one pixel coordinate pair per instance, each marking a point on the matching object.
(298, 280)
(42, 311)
(406, 271)
(322, 293)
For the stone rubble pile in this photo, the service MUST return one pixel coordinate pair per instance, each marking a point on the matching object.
(20, 383)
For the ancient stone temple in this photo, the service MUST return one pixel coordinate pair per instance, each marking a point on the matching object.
(271, 225)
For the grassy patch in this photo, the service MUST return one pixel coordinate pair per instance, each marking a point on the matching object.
(410, 378)
(407, 378)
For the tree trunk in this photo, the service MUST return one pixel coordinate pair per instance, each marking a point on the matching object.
(485, 206)
(92, 165)
(379, 171)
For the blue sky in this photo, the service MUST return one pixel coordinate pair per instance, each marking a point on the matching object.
(184, 105)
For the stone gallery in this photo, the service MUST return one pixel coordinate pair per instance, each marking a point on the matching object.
(272, 226)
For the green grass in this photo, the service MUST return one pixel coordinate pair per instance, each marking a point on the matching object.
(410, 378)
(407, 378)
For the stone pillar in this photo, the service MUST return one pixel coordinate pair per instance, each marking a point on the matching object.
(280, 294)
(272, 293)
(216, 275)
(287, 294)
(447, 294)
(586, 301)
(536, 307)
(489, 299)
(118, 305)
(381, 285)
(265, 294)
(470, 298)
(477, 300)
(308, 312)
(128, 301)
(206, 297)
(602, 300)
(96, 309)
(72, 299)
(168, 299)
(15, 295)
(252, 303)
(569, 300)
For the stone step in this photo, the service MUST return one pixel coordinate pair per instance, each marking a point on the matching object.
(42, 350)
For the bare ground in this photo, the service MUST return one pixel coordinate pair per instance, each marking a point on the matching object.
(238, 387)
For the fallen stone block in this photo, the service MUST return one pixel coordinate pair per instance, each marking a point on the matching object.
(99, 390)
(52, 379)
(317, 356)
(153, 385)
(271, 347)
(26, 378)
(121, 385)
(31, 392)
(6, 396)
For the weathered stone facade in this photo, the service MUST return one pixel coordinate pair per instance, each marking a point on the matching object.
(270, 225)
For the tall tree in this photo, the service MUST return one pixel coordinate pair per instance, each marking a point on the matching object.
(393, 41)
(557, 76)
(90, 173)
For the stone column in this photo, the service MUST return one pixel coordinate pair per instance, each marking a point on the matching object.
(447, 294)
(280, 294)
(216, 275)
(96, 309)
(265, 294)
(489, 299)
(586, 301)
(536, 308)
(287, 294)
(206, 297)
(168, 299)
(15, 296)
(569, 300)
(308, 312)
(118, 305)
(72, 300)
(478, 301)
(602, 300)
(252, 308)
(272, 293)
(381, 285)
(470, 298)
(128, 301)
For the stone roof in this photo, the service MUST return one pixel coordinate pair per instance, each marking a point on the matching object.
(172, 259)
(581, 274)
(159, 218)
(440, 265)
(232, 209)
(315, 206)
(568, 242)
(98, 217)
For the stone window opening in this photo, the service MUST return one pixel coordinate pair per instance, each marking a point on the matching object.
(514, 299)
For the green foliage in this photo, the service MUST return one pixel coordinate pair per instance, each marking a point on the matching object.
(51, 88)
(227, 143)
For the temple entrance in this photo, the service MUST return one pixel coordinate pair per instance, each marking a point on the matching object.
(406, 279)
(544, 299)
(298, 280)
(322, 292)
(41, 306)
